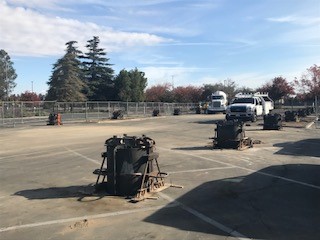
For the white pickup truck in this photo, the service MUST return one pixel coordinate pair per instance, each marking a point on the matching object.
(248, 107)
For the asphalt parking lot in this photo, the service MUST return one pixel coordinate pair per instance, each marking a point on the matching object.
(270, 191)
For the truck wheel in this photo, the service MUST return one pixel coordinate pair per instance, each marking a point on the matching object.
(254, 118)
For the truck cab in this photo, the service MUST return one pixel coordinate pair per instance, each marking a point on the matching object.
(218, 102)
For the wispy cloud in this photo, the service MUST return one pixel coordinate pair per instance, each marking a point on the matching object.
(296, 20)
(35, 34)
(179, 75)
(235, 43)
(210, 4)
(39, 4)
(56, 4)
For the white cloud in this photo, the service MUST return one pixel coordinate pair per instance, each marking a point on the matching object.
(296, 20)
(34, 34)
(39, 4)
(300, 30)
(56, 4)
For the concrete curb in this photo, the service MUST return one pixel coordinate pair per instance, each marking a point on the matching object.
(311, 123)
(127, 120)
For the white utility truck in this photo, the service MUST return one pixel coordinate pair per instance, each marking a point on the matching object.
(218, 102)
(248, 107)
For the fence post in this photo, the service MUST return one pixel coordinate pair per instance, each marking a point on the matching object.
(127, 108)
(137, 109)
(3, 113)
(316, 105)
(13, 114)
(109, 110)
(98, 110)
(21, 111)
(86, 111)
(71, 108)
(39, 112)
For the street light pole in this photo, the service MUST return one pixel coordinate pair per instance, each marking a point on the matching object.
(7, 83)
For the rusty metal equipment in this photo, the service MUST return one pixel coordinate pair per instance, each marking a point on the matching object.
(176, 111)
(198, 110)
(302, 112)
(311, 110)
(130, 168)
(117, 114)
(272, 121)
(54, 119)
(230, 134)
(291, 116)
(155, 113)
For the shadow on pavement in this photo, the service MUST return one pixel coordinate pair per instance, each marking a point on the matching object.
(207, 121)
(278, 202)
(58, 192)
(306, 147)
(208, 147)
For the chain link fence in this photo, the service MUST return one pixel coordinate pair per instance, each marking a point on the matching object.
(14, 113)
(317, 111)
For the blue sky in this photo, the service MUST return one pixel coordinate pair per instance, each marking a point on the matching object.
(183, 42)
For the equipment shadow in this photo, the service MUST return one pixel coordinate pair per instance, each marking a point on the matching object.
(209, 147)
(305, 147)
(277, 202)
(79, 192)
(207, 122)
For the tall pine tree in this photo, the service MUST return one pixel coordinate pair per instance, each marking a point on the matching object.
(138, 85)
(66, 82)
(98, 73)
(7, 75)
(122, 85)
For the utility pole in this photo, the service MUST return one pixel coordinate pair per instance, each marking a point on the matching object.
(172, 82)
(7, 84)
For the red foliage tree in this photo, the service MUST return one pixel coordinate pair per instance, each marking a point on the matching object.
(309, 84)
(187, 94)
(278, 88)
(29, 96)
(159, 93)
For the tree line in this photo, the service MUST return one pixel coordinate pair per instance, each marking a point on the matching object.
(89, 76)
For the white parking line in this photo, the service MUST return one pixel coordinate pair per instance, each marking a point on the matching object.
(83, 156)
(200, 170)
(35, 154)
(89, 217)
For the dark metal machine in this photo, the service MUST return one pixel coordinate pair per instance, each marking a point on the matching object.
(54, 119)
(130, 168)
(176, 111)
(156, 112)
(291, 116)
(272, 121)
(230, 134)
(117, 114)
